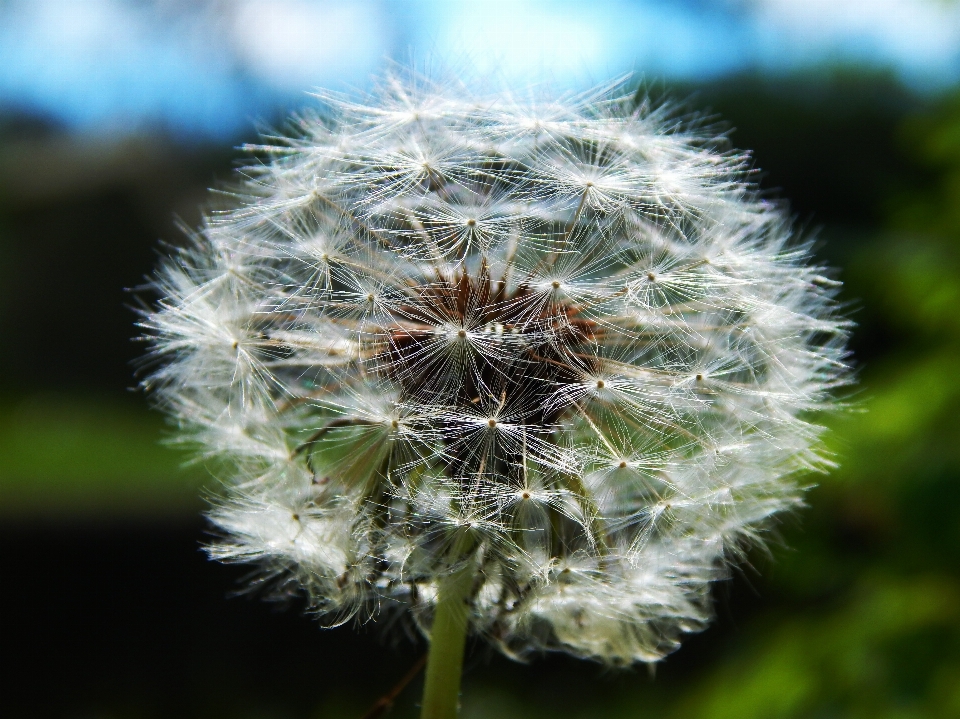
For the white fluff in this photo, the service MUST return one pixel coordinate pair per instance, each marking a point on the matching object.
(569, 329)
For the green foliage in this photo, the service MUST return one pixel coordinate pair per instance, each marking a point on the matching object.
(852, 661)
(87, 455)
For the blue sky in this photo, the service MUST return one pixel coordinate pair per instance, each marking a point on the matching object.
(212, 67)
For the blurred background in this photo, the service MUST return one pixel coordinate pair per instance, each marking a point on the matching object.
(117, 115)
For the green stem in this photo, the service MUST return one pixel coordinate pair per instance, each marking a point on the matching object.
(448, 635)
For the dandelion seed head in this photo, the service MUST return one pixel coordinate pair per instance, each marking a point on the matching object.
(569, 331)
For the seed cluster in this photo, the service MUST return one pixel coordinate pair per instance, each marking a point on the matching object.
(562, 342)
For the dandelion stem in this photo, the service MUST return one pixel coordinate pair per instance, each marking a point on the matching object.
(448, 635)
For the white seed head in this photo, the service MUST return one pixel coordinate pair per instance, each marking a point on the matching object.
(569, 329)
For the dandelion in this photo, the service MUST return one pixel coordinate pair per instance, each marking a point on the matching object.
(535, 370)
